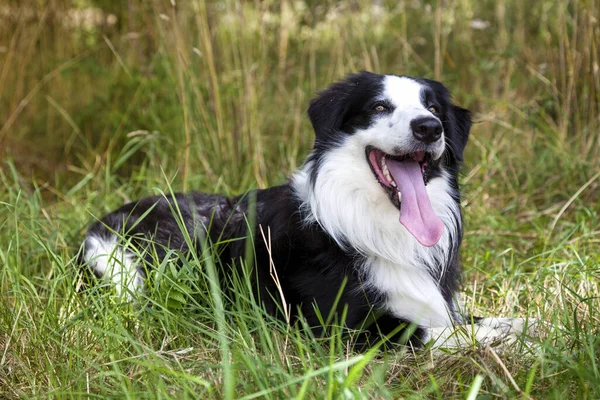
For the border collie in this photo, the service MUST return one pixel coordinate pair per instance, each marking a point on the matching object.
(370, 225)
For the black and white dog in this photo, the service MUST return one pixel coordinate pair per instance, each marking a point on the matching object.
(371, 222)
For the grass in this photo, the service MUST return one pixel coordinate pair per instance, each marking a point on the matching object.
(212, 97)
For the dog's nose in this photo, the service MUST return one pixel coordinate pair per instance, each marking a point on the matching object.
(426, 129)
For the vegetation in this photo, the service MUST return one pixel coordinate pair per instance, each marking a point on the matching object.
(102, 105)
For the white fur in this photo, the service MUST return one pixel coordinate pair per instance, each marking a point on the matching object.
(488, 331)
(411, 293)
(110, 261)
(348, 202)
(350, 205)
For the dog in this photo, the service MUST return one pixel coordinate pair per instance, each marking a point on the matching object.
(370, 226)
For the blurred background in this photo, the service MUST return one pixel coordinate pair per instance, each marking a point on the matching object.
(222, 87)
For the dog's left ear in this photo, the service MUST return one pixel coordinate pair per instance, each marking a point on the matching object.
(328, 109)
(460, 119)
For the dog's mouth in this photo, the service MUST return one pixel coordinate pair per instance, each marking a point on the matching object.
(379, 165)
(404, 178)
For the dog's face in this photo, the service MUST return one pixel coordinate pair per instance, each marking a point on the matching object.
(395, 117)
(408, 133)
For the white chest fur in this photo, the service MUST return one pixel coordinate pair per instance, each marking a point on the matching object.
(410, 292)
(410, 280)
(349, 204)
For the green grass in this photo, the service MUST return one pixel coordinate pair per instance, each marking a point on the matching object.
(212, 97)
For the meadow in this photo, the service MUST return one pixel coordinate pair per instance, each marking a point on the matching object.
(105, 101)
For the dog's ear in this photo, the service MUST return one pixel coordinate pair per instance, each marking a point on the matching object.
(460, 120)
(328, 109)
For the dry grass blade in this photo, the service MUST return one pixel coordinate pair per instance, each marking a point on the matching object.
(273, 273)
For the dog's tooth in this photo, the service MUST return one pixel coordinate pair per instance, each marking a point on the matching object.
(385, 169)
(386, 173)
(399, 196)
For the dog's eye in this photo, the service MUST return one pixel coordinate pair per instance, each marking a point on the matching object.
(380, 107)
(433, 109)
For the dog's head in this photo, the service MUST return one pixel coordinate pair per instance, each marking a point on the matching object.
(376, 134)
(396, 115)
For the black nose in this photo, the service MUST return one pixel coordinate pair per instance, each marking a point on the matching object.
(426, 129)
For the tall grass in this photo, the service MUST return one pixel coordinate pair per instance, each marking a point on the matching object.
(211, 96)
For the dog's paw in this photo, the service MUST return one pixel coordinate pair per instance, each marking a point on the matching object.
(513, 326)
(486, 332)
(463, 336)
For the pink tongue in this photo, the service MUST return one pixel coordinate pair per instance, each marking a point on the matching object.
(416, 213)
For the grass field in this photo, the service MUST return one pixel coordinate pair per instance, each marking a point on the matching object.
(137, 98)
